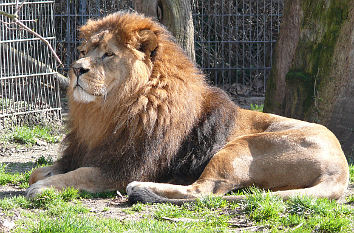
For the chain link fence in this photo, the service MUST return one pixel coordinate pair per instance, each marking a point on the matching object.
(70, 15)
(234, 40)
(234, 44)
(29, 92)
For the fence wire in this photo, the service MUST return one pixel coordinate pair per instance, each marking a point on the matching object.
(234, 39)
(29, 92)
(71, 14)
(234, 42)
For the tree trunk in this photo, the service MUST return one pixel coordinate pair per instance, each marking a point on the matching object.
(312, 77)
(176, 15)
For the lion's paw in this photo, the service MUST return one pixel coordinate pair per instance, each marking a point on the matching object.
(133, 185)
(41, 173)
(36, 189)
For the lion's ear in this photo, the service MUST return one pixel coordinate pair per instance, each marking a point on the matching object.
(147, 41)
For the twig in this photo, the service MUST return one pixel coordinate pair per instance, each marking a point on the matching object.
(40, 37)
(19, 7)
(14, 18)
(298, 226)
(8, 27)
(181, 219)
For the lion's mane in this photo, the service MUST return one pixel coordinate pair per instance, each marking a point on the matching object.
(158, 131)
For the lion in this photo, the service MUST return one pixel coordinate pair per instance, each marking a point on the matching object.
(144, 119)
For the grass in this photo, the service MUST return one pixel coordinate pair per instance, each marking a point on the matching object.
(64, 212)
(299, 214)
(257, 107)
(31, 135)
(19, 179)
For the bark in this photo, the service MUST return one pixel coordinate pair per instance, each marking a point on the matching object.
(176, 15)
(313, 66)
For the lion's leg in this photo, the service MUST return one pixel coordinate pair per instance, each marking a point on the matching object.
(45, 172)
(90, 179)
(217, 178)
(277, 161)
(150, 192)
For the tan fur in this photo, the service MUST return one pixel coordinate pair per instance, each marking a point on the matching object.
(139, 93)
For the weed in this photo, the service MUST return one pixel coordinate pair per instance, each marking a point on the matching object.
(69, 194)
(64, 212)
(261, 206)
(51, 197)
(20, 179)
(210, 202)
(45, 199)
(329, 224)
(15, 202)
(87, 195)
(256, 107)
(350, 199)
(43, 161)
(351, 172)
(4, 102)
(138, 207)
(31, 135)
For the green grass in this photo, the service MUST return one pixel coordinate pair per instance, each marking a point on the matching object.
(31, 135)
(64, 212)
(87, 195)
(257, 107)
(350, 199)
(19, 179)
(299, 214)
(351, 172)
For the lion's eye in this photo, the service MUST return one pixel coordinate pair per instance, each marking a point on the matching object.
(107, 54)
(82, 52)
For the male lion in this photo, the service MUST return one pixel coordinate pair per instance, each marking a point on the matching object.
(142, 117)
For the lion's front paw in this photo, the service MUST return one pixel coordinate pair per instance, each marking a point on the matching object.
(40, 174)
(36, 188)
(131, 186)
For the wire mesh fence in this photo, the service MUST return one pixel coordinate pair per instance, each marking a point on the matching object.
(233, 41)
(71, 14)
(233, 38)
(29, 92)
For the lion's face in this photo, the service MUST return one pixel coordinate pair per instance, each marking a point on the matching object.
(105, 64)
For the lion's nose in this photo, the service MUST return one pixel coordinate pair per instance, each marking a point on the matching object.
(80, 71)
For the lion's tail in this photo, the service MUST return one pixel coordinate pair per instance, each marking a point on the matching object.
(322, 190)
(144, 195)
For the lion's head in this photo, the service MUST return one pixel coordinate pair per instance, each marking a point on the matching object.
(128, 72)
(114, 49)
